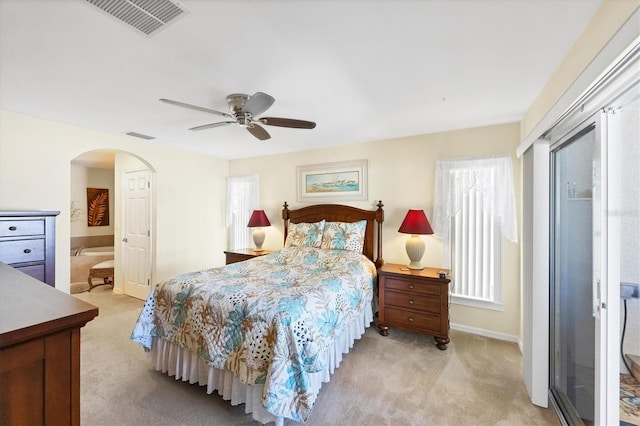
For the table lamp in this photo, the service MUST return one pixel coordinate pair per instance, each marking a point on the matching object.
(258, 220)
(416, 224)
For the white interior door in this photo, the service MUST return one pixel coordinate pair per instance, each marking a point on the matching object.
(136, 253)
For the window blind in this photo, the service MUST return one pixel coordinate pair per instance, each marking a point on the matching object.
(474, 208)
(242, 199)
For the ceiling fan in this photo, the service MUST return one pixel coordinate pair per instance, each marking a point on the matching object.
(244, 111)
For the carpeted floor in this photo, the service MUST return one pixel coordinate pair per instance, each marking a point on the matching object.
(401, 379)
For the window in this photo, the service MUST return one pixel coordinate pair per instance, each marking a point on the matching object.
(474, 207)
(242, 198)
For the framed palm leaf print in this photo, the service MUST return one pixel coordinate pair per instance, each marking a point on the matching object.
(97, 207)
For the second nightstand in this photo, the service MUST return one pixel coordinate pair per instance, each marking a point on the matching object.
(414, 300)
(233, 256)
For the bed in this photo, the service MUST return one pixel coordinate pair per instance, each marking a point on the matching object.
(267, 332)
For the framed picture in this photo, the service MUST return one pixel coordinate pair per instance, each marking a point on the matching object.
(339, 181)
(97, 207)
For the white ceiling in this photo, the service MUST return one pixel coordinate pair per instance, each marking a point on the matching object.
(363, 70)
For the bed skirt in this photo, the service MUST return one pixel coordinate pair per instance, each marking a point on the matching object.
(188, 366)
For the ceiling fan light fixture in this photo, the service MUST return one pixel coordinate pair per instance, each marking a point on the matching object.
(245, 108)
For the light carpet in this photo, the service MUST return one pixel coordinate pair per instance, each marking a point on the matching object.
(401, 379)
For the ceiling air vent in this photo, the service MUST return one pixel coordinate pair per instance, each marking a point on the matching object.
(146, 16)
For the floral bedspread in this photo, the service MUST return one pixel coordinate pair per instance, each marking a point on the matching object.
(269, 320)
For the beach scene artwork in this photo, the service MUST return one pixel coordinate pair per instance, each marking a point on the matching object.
(333, 182)
(340, 180)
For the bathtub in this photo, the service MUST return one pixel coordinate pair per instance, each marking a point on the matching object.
(95, 251)
(84, 258)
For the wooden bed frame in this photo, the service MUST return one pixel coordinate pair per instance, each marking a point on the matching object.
(340, 213)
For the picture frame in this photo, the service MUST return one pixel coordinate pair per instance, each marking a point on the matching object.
(97, 207)
(336, 181)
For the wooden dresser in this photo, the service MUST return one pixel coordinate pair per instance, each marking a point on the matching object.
(415, 300)
(27, 242)
(39, 351)
(233, 256)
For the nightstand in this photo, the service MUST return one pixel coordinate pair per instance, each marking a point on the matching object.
(239, 255)
(414, 300)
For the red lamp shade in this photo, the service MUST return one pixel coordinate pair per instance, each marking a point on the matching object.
(259, 218)
(415, 223)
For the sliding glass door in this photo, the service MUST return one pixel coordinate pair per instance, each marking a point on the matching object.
(572, 321)
(595, 248)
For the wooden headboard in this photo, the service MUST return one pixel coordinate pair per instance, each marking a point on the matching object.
(340, 213)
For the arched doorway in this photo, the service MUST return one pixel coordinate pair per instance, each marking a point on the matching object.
(126, 227)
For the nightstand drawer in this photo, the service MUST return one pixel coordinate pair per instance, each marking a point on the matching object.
(413, 286)
(19, 228)
(21, 251)
(237, 257)
(412, 301)
(412, 320)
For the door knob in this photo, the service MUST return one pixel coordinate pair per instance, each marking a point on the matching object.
(124, 240)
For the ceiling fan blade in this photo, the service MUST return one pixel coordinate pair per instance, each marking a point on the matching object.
(258, 103)
(287, 122)
(209, 126)
(182, 104)
(259, 132)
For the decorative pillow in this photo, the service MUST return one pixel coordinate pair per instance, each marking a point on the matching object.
(344, 236)
(305, 234)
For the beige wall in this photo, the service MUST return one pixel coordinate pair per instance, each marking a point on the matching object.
(35, 158)
(611, 15)
(402, 175)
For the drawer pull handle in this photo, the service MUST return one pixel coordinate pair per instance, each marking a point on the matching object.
(411, 301)
(12, 228)
(411, 286)
(410, 319)
(27, 251)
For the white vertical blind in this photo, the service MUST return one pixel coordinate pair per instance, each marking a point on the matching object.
(476, 248)
(474, 207)
(243, 198)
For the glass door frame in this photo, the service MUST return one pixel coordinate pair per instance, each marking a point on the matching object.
(602, 368)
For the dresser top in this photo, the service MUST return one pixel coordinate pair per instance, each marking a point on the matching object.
(23, 213)
(30, 308)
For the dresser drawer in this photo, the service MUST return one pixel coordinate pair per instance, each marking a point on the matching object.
(36, 271)
(412, 320)
(19, 228)
(19, 251)
(417, 301)
(412, 286)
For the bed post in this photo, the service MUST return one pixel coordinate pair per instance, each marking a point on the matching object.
(285, 218)
(379, 219)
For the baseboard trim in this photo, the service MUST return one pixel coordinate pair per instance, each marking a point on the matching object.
(487, 333)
